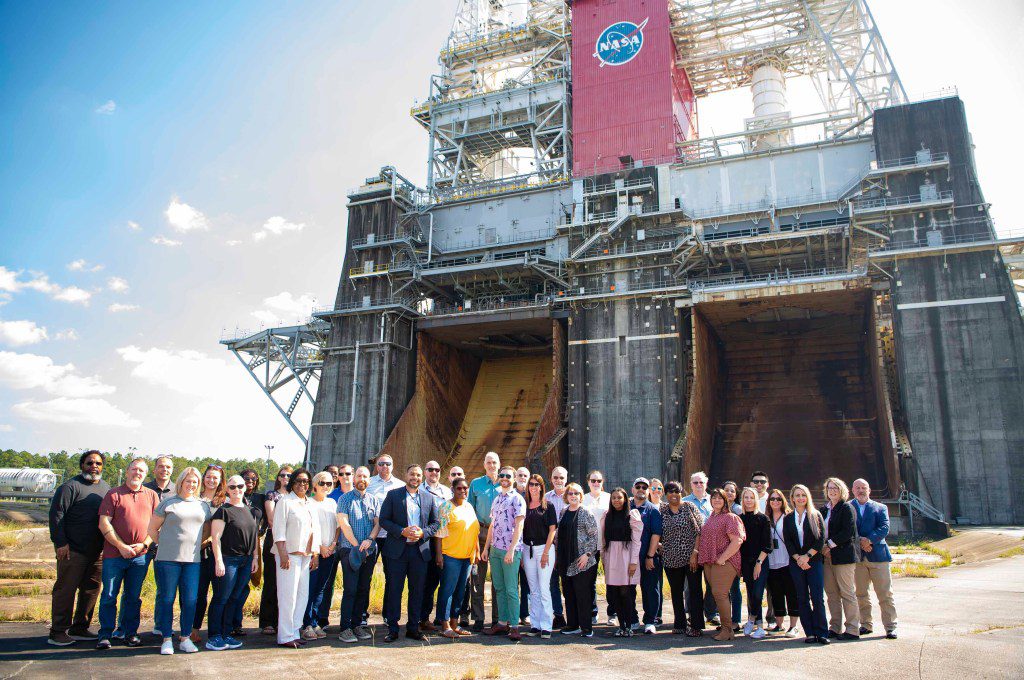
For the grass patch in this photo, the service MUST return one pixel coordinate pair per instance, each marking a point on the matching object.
(1013, 552)
(914, 570)
(20, 591)
(27, 573)
(35, 612)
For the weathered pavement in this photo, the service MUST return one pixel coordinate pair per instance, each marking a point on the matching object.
(968, 623)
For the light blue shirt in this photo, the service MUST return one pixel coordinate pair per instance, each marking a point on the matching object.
(378, 488)
(703, 505)
(412, 508)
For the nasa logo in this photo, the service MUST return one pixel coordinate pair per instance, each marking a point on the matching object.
(620, 43)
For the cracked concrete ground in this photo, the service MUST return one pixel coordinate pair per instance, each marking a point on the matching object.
(969, 622)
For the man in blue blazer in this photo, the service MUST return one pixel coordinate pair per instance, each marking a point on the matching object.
(410, 516)
(875, 559)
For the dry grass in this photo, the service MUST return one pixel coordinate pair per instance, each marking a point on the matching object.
(914, 570)
(28, 573)
(1012, 552)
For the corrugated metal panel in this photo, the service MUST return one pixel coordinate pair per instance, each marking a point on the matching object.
(626, 109)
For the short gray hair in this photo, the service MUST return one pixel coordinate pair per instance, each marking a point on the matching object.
(699, 473)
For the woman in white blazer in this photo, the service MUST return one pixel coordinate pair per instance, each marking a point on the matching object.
(296, 549)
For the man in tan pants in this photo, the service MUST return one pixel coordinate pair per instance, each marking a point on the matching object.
(873, 567)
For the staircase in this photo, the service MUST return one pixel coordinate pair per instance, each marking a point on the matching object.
(507, 402)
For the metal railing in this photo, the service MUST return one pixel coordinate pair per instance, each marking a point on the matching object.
(627, 184)
(767, 230)
(775, 278)
(400, 301)
(375, 270)
(505, 185)
(487, 305)
(899, 201)
(385, 238)
(483, 242)
(765, 204)
(626, 250)
(936, 239)
(928, 158)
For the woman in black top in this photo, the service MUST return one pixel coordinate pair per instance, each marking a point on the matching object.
(842, 552)
(576, 562)
(234, 531)
(753, 553)
(255, 499)
(538, 555)
(803, 530)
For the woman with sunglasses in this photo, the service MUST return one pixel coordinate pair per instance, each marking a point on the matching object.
(213, 493)
(753, 554)
(780, 582)
(623, 528)
(180, 524)
(680, 528)
(268, 598)
(731, 490)
(325, 510)
(296, 550)
(234, 539)
(538, 556)
(597, 502)
(576, 561)
(718, 552)
(804, 533)
(457, 553)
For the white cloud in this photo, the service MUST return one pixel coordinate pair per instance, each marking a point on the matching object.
(134, 226)
(68, 411)
(9, 280)
(67, 334)
(285, 308)
(6, 428)
(17, 333)
(33, 371)
(5, 298)
(277, 225)
(73, 294)
(164, 241)
(186, 371)
(117, 284)
(233, 242)
(108, 108)
(184, 218)
(11, 283)
(118, 307)
(83, 266)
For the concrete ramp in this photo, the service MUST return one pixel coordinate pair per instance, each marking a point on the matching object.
(504, 410)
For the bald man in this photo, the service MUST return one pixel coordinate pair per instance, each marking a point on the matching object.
(482, 492)
(875, 560)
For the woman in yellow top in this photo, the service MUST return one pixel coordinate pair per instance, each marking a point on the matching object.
(455, 554)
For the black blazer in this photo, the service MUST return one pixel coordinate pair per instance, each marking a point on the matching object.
(394, 518)
(793, 544)
(842, 531)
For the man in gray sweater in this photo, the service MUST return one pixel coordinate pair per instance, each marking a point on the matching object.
(75, 532)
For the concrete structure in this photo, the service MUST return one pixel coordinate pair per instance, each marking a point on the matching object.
(819, 293)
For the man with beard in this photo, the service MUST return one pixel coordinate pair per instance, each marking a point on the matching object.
(77, 541)
(482, 492)
(650, 560)
(411, 519)
(358, 518)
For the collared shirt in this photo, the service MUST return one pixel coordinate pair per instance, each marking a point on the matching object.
(799, 520)
(161, 493)
(554, 498)
(337, 493)
(762, 502)
(703, 504)
(362, 510)
(440, 492)
(482, 492)
(412, 507)
(504, 511)
(129, 512)
(378, 488)
(860, 508)
(651, 517)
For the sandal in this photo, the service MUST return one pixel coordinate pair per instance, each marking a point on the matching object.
(462, 632)
(291, 645)
(269, 630)
(693, 632)
(449, 633)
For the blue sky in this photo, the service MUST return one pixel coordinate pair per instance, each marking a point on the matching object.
(145, 145)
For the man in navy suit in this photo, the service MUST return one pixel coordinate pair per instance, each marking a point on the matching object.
(410, 516)
(875, 559)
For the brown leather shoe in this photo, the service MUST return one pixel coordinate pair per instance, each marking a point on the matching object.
(427, 627)
(514, 635)
(497, 629)
(195, 637)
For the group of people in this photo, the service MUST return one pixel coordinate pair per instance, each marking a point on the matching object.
(203, 532)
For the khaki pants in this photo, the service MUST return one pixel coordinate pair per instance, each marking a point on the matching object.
(841, 592)
(78, 577)
(720, 578)
(878, 575)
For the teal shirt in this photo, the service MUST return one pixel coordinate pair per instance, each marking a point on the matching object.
(482, 492)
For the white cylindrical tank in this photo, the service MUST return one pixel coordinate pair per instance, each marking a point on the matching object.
(768, 87)
(32, 480)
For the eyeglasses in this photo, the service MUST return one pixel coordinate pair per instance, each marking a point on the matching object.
(284, 475)
(574, 493)
(344, 474)
(640, 486)
(301, 480)
(214, 467)
(656, 488)
(759, 481)
(774, 500)
(384, 463)
(533, 484)
(504, 475)
(236, 487)
(698, 483)
(251, 479)
(325, 483)
(596, 481)
(433, 469)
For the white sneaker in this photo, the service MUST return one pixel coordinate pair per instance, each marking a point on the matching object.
(186, 645)
(757, 634)
(636, 626)
(793, 632)
(649, 629)
(593, 620)
(613, 621)
(167, 647)
(748, 627)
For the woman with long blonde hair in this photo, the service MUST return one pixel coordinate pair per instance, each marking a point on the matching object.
(539, 555)
(804, 533)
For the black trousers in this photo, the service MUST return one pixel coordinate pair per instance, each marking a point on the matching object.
(268, 598)
(687, 596)
(782, 593)
(206, 566)
(409, 567)
(430, 585)
(578, 599)
(622, 600)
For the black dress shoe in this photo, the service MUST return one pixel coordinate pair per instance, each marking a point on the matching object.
(133, 641)
(824, 641)
(865, 631)
(238, 632)
(832, 635)
(891, 634)
(810, 639)
(849, 636)
(391, 636)
(415, 635)
(478, 626)
(558, 622)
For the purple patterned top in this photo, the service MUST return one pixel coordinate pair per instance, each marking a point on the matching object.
(504, 511)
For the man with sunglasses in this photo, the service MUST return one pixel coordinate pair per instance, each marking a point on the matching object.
(700, 497)
(342, 485)
(504, 536)
(597, 501)
(650, 560)
(556, 497)
(482, 492)
(759, 483)
(441, 493)
(77, 541)
(381, 484)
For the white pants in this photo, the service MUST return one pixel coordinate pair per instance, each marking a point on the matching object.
(539, 579)
(292, 596)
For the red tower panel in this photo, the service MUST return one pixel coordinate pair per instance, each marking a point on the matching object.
(628, 96)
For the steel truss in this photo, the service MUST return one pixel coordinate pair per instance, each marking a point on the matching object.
(277, 356)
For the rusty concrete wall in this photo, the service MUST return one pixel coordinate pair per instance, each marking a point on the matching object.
(430, 423)
(883, 407)
(551, 419)
(704, 410)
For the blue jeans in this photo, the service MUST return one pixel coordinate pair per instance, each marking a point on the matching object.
(355, 594)
(737, 602)
(755, 590)
(650, 591)
(810, 594)
(454, 576)
(556, 595)
(181, 578)
(227, 591)
(317, 585)
(206, 564)
(118, 572)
